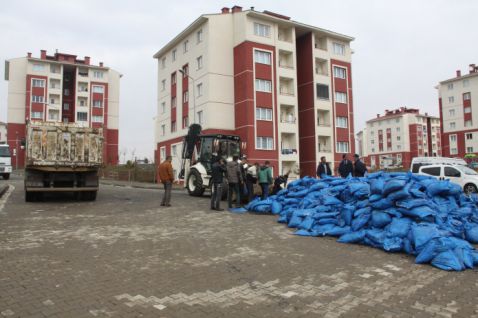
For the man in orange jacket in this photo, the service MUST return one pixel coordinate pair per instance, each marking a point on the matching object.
(166, 177)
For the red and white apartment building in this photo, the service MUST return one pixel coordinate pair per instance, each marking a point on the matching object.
(458, 103)
(283, 86)
(62, 88)
(394, 139)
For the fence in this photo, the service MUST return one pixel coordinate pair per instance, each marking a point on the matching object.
(137, 173)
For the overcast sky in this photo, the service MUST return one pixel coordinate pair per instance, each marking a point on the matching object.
(402, 48)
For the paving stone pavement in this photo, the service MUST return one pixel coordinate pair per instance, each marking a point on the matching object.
(125, 256)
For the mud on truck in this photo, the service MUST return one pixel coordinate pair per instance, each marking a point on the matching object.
(62, 158)
(200, 152)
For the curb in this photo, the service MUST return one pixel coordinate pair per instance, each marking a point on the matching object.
(3, 190)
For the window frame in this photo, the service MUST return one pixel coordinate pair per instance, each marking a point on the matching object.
(78, 116)
(263, 85)
(340, 120)
(341, 100)
(343, 143)
(340, 72)
(264, 140)
(262, 57)
(262, 30)
(336, 50)
(264, 113)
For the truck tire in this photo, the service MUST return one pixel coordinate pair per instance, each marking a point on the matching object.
(30, 196)
(6, 176)
(86, 196)
(470, 188)
(195, 184)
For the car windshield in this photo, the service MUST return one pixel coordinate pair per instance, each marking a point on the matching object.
(4, 152)
(466, 170)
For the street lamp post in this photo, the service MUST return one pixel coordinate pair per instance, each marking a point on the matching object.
(194, 98)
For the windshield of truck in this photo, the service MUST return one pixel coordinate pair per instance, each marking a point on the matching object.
(466, 170)
(4, 152)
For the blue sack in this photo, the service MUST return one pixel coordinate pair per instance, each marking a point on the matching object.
(410, 204)
(399, 227)
(380, 219)
(330, 200)
(431, 249)
(353, 237)
(422, 233)
(338, 231)
(448, 261)
(360, 221)
(307, 223)
(276, 207)
(302, 233)
(421, 212)
(382, 204)
(347, 213)
(471, 233)
(392, 244)
(376, 186)
(393, 185)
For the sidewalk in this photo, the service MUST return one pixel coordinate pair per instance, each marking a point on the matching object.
(139, 185)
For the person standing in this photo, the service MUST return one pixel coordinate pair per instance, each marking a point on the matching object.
(251, 179)
(217, 176)
(166, 177)
(234, 179)
(265, 179)
(279, 181)
(346, 167)
(359, 167)
(323, 169)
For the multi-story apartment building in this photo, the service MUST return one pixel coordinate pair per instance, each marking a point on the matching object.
(62, 88)
(458, 103)
(400, 135)
(3, 132)
(284, 87)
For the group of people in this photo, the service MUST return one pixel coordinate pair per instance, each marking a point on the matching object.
(346, 167)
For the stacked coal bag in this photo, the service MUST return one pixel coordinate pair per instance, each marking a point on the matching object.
(397, 212)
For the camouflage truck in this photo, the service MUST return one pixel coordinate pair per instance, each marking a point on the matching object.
(62, 158)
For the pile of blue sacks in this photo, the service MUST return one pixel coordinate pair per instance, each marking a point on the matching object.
(397, 212)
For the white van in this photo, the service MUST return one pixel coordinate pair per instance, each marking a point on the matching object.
(5, 161)
(417, 162)
(465, 177)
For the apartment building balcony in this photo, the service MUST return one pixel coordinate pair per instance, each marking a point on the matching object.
(82, 89)
(55, 71)
(324, 144)
(288, 146)
(82, 102)
(286, 59)
(55, 86)
(320, 42)
(286, 38)
(83, 72)
(288, 119)
(291, 167)
(54, 100)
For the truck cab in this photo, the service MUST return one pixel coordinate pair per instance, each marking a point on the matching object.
(465, 177)
(5, 161)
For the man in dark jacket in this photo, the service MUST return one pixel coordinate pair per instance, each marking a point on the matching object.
(279, 181)
(359, 167)
(323, 169)
(345, 167)
(234, 179)
(218, 171)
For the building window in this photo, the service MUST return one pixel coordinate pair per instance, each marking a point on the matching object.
(339, 49)
(163, 130)
(339, 72)
(262, 57)
(97, 119)
(66, 92)
(199, 61)
(451, 99)
(185, 97)
(469, 149)
(98, 89)
(372, 141)
(466, 83)
(185, 46)
(38, 83)
(163, 107)
(340, 97)
(452, 125)
(342, 147)
(185, 71)
(467, 110)
(173, 55)
(450, 86)
(322, 91)
(452, 138)
(264, 143)
(98, 103)
(173, 78)
(467, 96)
(38, 67)
(398, 138)
(173, 102)
(185, 121)
(82, 102)
(173, 126)
(263, 113)
(341, 122)
(453, 151)
(98, 74)
(54, 69)
(53, 115)
(174, 150)
(200, 117)
(162, 152)
(469, 136)
(263, 85)
(398, 129)
(468, 123)
(37, 99)
(81, 116)
(37, 115)
(262, 30)
(451, 112)
(199, 36)
(199, 89)
(163, 63)
(66, 106)
(397, 120)
(399, 147)
(163, 84)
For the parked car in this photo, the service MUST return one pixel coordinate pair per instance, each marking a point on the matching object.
(465, 177)
(417, 162)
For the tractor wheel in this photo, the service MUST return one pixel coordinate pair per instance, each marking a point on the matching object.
(195, 183)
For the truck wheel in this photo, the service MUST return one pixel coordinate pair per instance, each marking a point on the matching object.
(6, 176)
(470, 188)
(29, 196)
(195, 184)
(92, 195)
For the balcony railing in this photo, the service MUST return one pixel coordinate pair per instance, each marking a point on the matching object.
(82, 89)
(289, 151)
(285, 91)
(324, 149)
(288, 120)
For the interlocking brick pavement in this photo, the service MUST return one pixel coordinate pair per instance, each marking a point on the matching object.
(124, 256)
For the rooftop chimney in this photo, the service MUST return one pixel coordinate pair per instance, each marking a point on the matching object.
(472, 68)
(87, 60)
(236, 9)
(458, 73)
(101, 64)
(225, 10)
(43, 54)
(378, 115)
(29, 54)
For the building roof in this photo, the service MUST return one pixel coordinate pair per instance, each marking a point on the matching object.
(267, 15)
(459, 78)
(399, 112)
